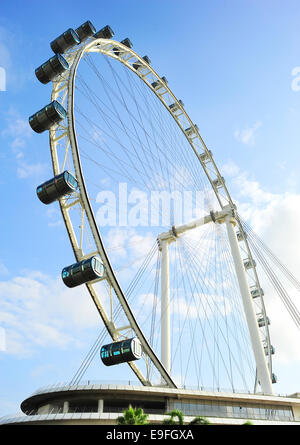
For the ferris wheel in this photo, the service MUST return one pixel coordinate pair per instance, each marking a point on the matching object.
(180, 298)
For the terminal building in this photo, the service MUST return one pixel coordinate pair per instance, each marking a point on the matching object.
(94, 403)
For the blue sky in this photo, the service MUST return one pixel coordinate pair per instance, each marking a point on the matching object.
(231, 62)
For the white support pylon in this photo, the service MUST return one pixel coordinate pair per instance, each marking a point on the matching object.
(165, 305)
(260, 358)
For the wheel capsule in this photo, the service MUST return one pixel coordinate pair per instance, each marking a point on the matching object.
(57, 187)
(83, 272)
(48, 116)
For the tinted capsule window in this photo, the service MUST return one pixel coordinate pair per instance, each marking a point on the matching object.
(65, 41)
(48, 116)
(104, 33)
(83, 272)
(85, 30)
(121, 352)
(57, 187)
(51, 69)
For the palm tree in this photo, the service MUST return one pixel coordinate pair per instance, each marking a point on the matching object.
(173, 414)
(200, 421)
(133, 416)
(177, 413)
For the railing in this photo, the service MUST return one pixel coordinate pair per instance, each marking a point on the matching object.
(89, 383)
(84, 383)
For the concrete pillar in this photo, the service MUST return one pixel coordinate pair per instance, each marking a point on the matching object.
(66, 407)
(100, 406)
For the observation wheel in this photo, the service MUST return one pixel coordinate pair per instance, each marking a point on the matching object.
(175, 273)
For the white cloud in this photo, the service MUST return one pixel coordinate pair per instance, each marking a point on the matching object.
(125, 242)
(18, 133)
(247, 135)
(26, 170)
(11, 43)
(54, 215)
(17, 130)
(38, 311)
(3, 269)
(230, 169)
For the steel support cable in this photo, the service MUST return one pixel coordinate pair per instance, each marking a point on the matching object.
(155, 302)
(221, 247)
(180, 143)
(137, 278)
(182, 280)
(122, 102)
(138, 108)
(158, 109)
(85, 155)
(168, 160)
(144, 167)
(229, 275)
(177, 247)
(141, 270)
(216, 322)
(186, 278)
(93, 350)
(292, 309)
(205, 284)
(114, 137)
(276, 283)
(290, 306)
(216, 343)
(149, 114)
(155, 335)
(171, 302)
(141, 310)
(249, 231)
(192, 332)
(154, 305)
(88, 358)
(212, 329)
(224, 338)
(108, 152)
(109, 171)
